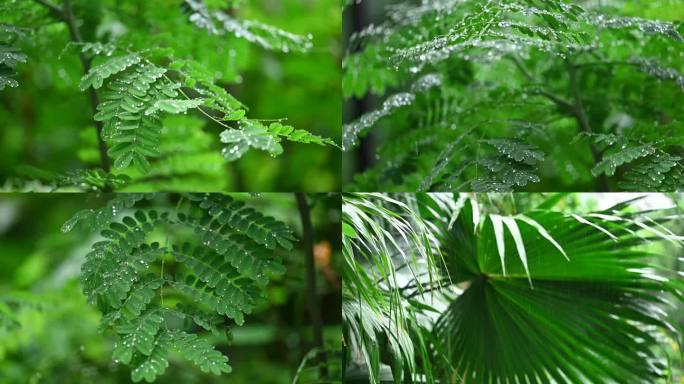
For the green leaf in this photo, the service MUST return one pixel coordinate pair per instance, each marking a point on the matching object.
(200, 352)
(263, 229)
(349, 231)
(298, 135)
(517, 150)
(223, 272)
(623, 156)
(220, 275)
(251, 135)
(156, 363)
(589, 292)
(112, 66)
(200, 293)
(138, 336)
(235, 115)
(173, 106)
(542, 231)
(10, 56)
(497, 224)
(140, 295)
(519, 243)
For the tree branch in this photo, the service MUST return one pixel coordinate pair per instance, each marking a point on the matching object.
(312, 296)
(583, 121)
(575, 109)
(94, 100)
(564, 105)
(55, 10)
(67, 16)
(609, 63)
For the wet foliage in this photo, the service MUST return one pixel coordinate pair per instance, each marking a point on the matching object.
(164, 288)
(189, 95)
(591, 89)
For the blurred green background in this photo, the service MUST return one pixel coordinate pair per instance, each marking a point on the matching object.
(47, 122)
(49, 333)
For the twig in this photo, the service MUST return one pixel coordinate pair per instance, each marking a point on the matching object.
(583, 121)
(67, 16)
(200, 108)
(566, 105)
(55, 10)
(312, 296)
(593, 63)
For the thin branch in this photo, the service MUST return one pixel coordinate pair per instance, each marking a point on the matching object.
(610, 63)
(576, 109)
(55, 10)
(67, 16)
(312, 296)
(583, 122)
(204, 112)
(563, 104)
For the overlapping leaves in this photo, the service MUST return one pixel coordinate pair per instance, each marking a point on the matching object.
(515, 71)
(221, 273)
(537, 296)
(140, 93)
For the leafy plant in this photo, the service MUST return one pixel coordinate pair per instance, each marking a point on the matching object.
(134, 89)
(465, 288)
(216, 258)
(473, 88)
(9, 55)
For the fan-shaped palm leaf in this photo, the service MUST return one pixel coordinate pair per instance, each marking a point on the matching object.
(542, 296)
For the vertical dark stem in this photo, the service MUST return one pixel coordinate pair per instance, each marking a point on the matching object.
(583, 121)
(312, 296)
(360, 106)
(75, 34)
(67, 16)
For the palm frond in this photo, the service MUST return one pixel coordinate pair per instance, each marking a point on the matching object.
(536, 296)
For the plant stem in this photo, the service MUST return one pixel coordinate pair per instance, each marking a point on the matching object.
(312, 296)
(67, 16)
(55, 10)
(583, 121)
(559, 101)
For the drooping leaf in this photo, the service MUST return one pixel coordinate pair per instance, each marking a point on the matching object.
(98, 74)
(173, 106)
(623, 156)
(251, 135)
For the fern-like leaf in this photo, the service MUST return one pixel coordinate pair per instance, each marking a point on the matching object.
(219, 275)
(623, 156)
(258, 227)
(207, 320)
(251, 135)
(140, 296)
(518, 151)
(298, 135)
(201, 293)
(138, 335)
(173, 106)
(98, 74)
(156, 363)
(264, 35)
(200, 352)
(10, 56)
(97, 219)
(222, 274)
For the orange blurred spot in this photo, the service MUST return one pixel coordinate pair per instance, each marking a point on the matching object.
(322, 253)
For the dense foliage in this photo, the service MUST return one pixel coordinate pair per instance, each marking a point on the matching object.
(180, 284)
(512, 288)
(142, 67)
(504, 95)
